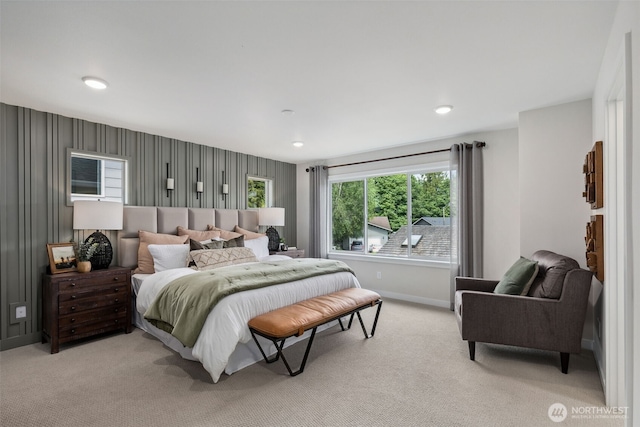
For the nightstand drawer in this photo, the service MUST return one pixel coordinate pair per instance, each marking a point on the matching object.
(79, 305)
(92, 328)
(92, 292)
(69, 307)
(91, 316)
(81, 283)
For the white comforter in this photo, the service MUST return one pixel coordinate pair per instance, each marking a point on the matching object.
(226, 325)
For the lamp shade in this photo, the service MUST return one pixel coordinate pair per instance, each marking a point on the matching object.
(271, 216)
(97, 215)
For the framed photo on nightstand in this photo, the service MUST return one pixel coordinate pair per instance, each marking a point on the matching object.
(62, 257)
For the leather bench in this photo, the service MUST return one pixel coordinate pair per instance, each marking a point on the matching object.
(295, 319)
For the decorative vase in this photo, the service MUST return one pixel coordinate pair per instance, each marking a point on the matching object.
(84, 266)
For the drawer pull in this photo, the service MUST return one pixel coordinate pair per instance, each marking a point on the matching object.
(73, 307)
(73, 285)
(73, 331)
(116, 321)
(115, 279)
(116, 289)
(73, 320)
(73, 297)
(117, 300)
(115, 311)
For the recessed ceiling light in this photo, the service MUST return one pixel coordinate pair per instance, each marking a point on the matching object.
(443, 109)
(297, 144)
(94, 82)
(288, 112)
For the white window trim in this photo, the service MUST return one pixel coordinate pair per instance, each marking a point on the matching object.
(71, 197)
(268, 190)
(425, 262)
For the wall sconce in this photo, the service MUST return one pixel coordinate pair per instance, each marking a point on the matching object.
(199, 184)
(225, 187)
(170, 183)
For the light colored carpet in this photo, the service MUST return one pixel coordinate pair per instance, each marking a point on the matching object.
(415, 372)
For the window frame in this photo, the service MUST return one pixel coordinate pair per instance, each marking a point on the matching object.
(268, 190)
(439, 166)
(71, 197)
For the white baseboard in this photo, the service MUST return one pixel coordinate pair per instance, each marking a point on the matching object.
(599, 356)
(587, 344)
(412, 298)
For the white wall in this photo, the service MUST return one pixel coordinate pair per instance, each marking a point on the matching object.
(429, 284)
(501, 203)
(553, 213)
(619, 360)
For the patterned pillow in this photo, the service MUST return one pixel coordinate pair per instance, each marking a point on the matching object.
(207, 259)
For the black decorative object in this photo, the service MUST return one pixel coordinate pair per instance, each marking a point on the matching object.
(97, 215)
(271, 217)
(274, 238)
(103, 256)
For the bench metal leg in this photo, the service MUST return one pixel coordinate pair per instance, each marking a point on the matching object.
(364, 329)
(280, 354)
(279, 343)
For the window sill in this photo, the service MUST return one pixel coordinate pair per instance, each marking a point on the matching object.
(389, 260)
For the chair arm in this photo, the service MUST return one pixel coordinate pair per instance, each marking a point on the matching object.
(516, 320)
(475, 284)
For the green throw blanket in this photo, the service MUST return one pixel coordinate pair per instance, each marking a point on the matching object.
(182, 306)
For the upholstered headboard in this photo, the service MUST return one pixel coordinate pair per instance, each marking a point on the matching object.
(166, 220)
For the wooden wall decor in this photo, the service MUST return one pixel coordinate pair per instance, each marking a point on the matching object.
(594, 240)
(593, 182)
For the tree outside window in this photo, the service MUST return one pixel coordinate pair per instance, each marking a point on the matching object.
(386, 209)
(258, 192)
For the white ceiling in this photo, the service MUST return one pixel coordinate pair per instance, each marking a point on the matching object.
(359, 75)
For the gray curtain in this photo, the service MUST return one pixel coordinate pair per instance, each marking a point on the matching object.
(318, 209)
(466, 212)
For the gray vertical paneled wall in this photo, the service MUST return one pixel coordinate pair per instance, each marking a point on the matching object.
(34, 210)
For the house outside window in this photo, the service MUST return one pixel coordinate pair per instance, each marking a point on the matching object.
(379, 215)
(96, 177)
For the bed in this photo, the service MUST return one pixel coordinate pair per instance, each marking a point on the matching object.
(224, 345)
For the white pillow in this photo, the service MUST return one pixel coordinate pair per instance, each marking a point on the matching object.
(167, 257)
(259, 246)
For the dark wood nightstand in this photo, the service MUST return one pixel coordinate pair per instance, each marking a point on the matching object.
(79, 305)
(293, 253)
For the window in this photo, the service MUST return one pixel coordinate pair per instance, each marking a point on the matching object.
(397, 215)
(259, 192)
(96, 177)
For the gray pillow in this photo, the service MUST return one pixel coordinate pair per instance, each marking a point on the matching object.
(213, 244)
(238, 242)
(518, 279)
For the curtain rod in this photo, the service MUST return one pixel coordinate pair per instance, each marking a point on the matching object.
(479, 144)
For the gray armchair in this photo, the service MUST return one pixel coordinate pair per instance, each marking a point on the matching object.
(550, 317)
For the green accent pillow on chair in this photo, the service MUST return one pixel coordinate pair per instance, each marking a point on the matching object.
(518, 279)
